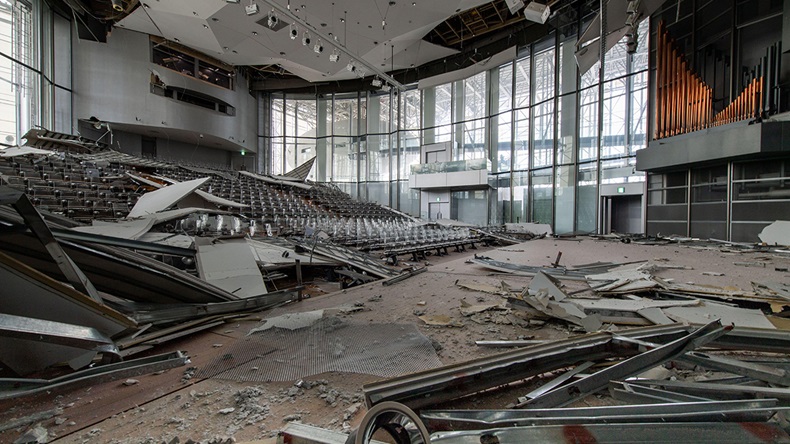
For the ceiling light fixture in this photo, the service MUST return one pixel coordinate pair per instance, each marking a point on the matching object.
(376, 82)
(335, 56)
(251, 9)
(273, 20)
(306, 39)
(232, 1)
(357, 62)
(294, 32)
(117, 5)
(351, 67)
(318, 48)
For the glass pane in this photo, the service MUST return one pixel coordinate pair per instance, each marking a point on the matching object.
(586, 197)
(564, 189)
(542, 191)
(521, 145)
(277, 156)
(410, 109)
(502, 141)
(378, 158)
(521, 96)
(613, 141)
(409, 151)
(520, 196)
(343, 160)
(503, 208)
(475, 97)
(474, 140)
(505, 90)
(343, 120)
(544, 75)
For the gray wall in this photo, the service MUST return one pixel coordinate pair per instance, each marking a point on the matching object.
(111, 81)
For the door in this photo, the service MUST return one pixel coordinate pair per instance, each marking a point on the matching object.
(438, 210)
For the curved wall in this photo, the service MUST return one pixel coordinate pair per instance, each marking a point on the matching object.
(112, 81)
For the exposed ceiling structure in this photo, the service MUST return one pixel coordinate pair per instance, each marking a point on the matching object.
(387, 34)
(310, 43)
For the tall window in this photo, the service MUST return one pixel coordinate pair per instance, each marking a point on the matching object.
(19, 93)
(536, 118)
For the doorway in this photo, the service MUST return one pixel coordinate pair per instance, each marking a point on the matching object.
(148, 148)
(622, 214)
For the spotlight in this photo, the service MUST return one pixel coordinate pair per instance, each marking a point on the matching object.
(350, 67)
(318, 48)
(294, 32)
(306, 39)
(232, 1)
(386, 87)
(251, 9)
(376, 83)
(273, 20)
(117, 5)
(334, 57)
(632, 8)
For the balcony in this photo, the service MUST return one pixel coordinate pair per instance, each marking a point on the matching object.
(457, 175)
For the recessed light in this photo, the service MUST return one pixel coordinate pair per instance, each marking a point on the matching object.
(282, 53)
(194, 13)
(323, 25)
(214, 19)
(175, 39)
(342, 20)
(414, 3)
(205, 25)
(254, 32)
(392, 2)
(236, 52)
(225, 48)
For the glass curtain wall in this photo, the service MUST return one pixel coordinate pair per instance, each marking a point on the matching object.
(35, 69)
(553, 135)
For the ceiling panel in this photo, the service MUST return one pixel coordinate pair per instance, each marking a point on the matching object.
(367, 28)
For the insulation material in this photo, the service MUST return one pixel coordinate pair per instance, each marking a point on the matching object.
(777, 233)
(231, 266)
(164, 198)
(328, 345)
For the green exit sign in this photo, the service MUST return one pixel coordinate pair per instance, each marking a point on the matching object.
(620, 190)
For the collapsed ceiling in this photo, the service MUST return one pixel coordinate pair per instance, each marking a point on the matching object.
(315, 40)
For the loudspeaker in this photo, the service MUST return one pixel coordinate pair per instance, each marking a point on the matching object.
(514, 5)
(536, 12)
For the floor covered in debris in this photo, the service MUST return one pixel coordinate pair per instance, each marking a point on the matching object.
(240, 386)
